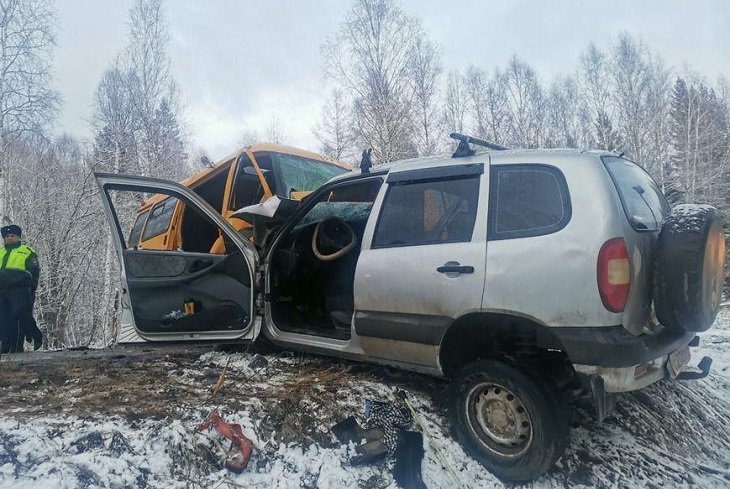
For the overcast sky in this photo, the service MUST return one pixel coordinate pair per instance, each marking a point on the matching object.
(240, 63)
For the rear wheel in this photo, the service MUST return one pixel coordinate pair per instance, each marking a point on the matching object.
(514, 425)
(689, 268)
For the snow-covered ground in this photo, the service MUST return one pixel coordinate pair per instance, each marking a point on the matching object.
(130, 420)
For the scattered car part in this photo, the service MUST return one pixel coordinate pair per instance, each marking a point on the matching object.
(437, 449)
(241, 447)
(369, 452)
(408, 459)
(348, 430)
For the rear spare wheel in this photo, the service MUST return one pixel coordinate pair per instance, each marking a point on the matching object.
(689, 268)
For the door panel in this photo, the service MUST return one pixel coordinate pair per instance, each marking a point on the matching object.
(143, 265)
(425, 265)
(181, 294)
(219, 299)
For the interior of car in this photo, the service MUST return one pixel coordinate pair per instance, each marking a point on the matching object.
(313, 266)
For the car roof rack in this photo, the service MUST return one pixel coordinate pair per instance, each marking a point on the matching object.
(465, 150)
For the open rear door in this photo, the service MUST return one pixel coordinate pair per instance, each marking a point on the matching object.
(186, 294)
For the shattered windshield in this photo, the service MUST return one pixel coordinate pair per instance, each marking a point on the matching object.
(300, 174)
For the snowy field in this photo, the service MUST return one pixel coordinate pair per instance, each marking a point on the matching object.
(129, 418)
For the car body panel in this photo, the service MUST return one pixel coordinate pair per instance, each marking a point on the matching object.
(416, 307)
(154, 281)
(555, 281)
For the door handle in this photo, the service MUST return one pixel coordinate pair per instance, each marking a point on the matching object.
(198, 265)
(449, 268)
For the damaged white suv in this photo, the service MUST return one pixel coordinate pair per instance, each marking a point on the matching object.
(515, 274)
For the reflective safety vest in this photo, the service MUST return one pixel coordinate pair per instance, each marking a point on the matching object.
(16, 258)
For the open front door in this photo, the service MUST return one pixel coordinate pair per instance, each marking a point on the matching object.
(185, 294)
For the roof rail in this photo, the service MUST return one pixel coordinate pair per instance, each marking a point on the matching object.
(464, 150)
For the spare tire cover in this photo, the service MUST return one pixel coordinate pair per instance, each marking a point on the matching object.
(689, 268)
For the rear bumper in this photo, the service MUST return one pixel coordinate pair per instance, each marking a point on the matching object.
(610, 361)
(624, 379)
(615, 347)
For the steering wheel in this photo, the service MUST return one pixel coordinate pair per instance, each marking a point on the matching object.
(333, 238)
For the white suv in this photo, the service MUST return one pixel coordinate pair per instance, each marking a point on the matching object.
(518, 275)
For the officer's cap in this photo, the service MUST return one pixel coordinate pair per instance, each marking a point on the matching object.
(12, 229)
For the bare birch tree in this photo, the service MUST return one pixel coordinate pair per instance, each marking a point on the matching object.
(658, 105)
(631, 82)
(116, 150)
(425, 68)
(136, 122)
(333, 131)
(275, 130)
(595, 88)
(701, 144)
(370, 58)
(115, 146)
(153, 91)
(488, 105)
(566, 118)
(455, 104)
(526, 105)
(27, 100)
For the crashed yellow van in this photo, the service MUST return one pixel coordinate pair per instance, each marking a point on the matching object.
(249, 176)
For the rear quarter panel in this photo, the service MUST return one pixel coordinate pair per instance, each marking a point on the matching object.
(552, 278)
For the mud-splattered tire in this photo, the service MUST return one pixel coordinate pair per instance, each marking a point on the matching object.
(689, 268)
(515, 425)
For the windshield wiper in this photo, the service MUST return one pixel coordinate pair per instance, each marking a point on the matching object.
(640, 190)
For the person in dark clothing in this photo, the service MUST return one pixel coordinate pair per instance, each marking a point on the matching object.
(19, 272)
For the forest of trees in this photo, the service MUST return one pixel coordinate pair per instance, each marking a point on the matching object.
(389, 92)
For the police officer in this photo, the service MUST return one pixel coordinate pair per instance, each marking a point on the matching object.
(19, 271)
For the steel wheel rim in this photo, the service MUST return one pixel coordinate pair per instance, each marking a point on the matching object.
(499, 420)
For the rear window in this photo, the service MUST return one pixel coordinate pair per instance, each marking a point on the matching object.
(160, 218)
(641, 198)
(136, 231)
(527, 200)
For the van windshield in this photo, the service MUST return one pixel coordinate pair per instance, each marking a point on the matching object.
(300, 174)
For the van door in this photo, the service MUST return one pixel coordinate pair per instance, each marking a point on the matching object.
(180, 295)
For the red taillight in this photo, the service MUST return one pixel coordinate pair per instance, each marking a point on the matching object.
(614, 274)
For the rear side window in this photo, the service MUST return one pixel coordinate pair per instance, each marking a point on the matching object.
(136, 231)
(428, 212)
(527, 200)
(641, 198)
(160, 218)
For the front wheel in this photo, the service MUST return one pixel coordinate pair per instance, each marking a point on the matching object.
(516, 427)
